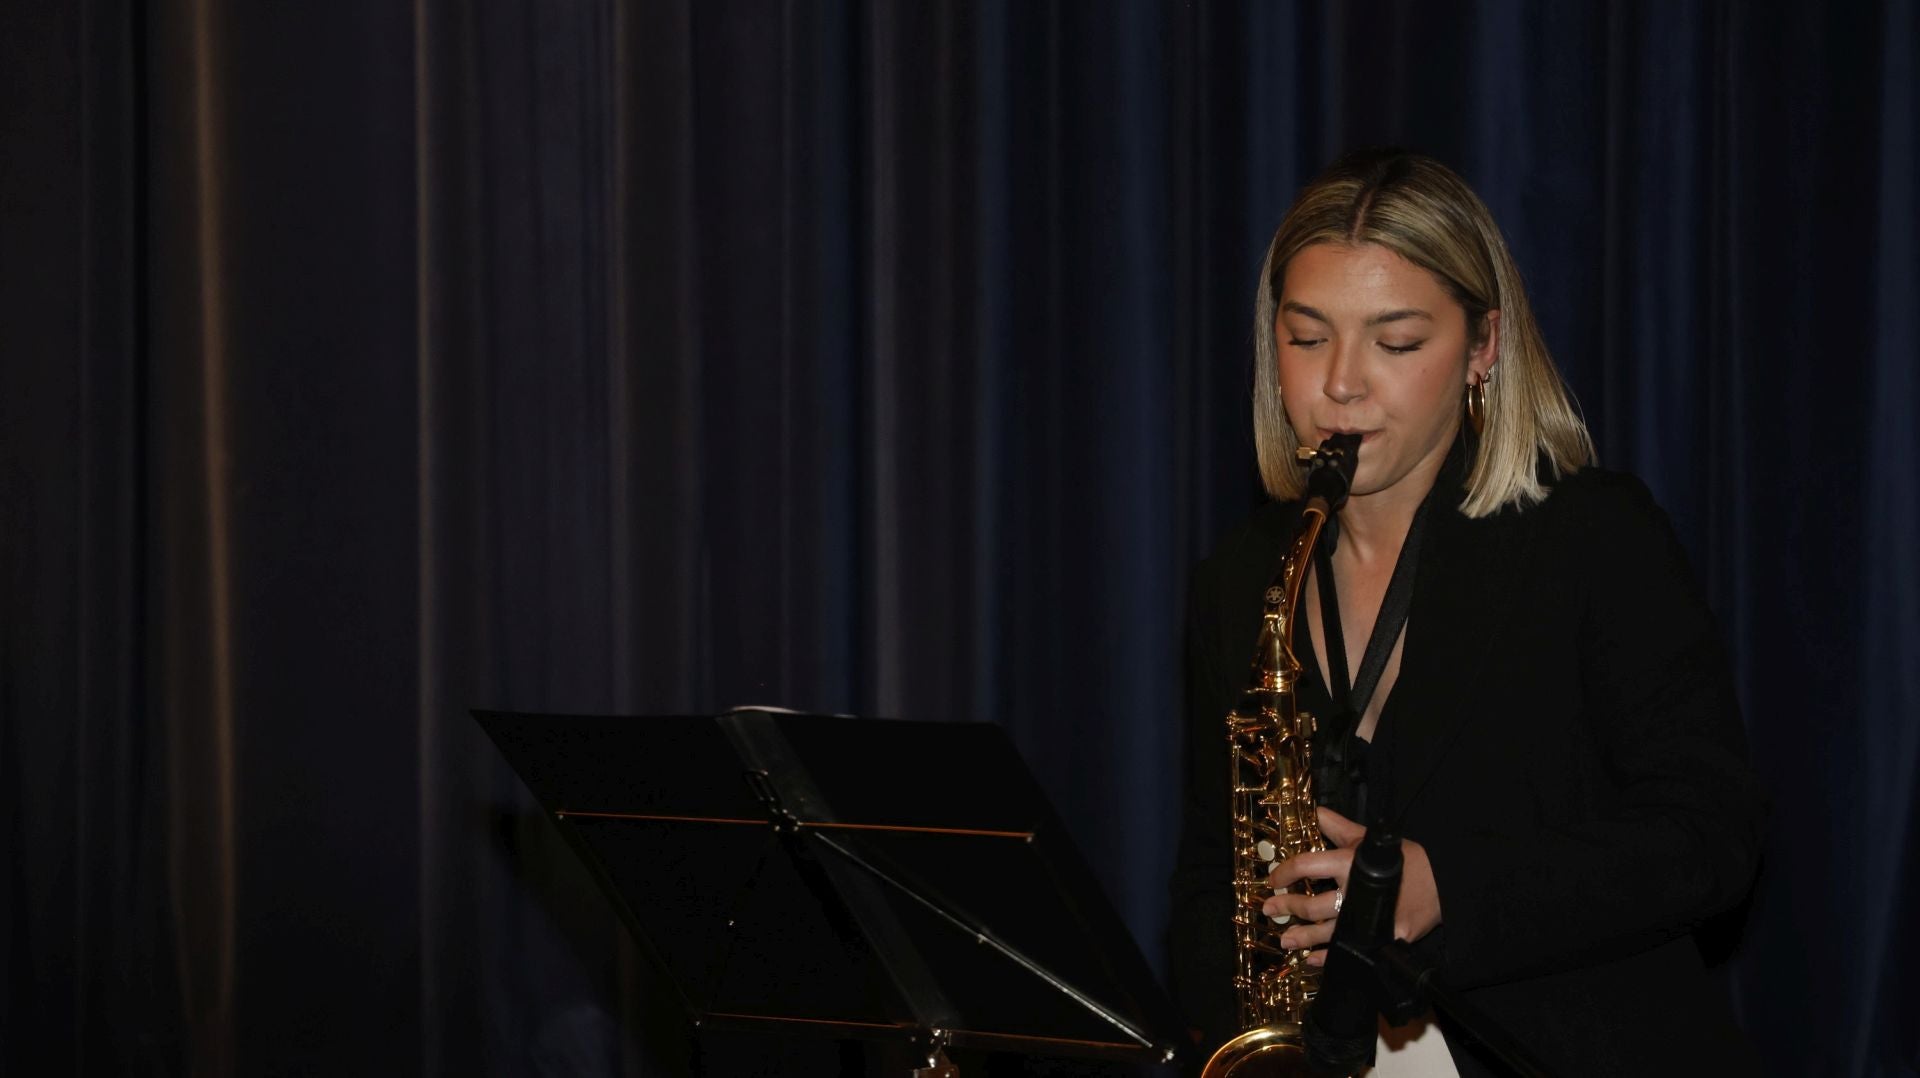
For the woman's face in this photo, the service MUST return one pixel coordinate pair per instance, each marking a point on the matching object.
(1371, 343)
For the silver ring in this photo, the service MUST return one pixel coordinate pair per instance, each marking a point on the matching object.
(1339, 897)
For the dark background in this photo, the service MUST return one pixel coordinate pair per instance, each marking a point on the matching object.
(362, 362)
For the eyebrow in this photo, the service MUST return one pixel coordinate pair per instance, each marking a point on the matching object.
(1380, 319)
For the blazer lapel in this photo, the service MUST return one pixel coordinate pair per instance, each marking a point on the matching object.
(1460, 611)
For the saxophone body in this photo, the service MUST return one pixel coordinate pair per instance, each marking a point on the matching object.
(1269, 745)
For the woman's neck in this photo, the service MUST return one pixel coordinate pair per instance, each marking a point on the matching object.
(1374, 526)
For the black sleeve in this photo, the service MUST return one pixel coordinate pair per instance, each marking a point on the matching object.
(1201, 937)
(1679, 838)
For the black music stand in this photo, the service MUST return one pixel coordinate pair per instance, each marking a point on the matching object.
(868, 879)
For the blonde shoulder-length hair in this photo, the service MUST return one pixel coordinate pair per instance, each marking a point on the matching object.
(1419, 209)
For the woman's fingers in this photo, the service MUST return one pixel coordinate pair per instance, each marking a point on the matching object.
(1321, 907)
(1303, 935)
(1339, 830)
(1309, 917)
(1320, 865)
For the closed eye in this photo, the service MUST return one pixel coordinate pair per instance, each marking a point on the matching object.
(1301, 343)
(1402, 349)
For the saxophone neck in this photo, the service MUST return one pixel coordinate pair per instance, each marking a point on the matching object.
(1275, 668)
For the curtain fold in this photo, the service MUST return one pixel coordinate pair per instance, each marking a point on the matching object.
(1890, 487)
(363, 365)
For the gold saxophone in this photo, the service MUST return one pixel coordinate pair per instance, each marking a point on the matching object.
(1269, 743)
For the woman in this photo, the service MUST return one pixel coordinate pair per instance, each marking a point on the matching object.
(1553, 730)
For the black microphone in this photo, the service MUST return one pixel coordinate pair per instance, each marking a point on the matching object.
(1341, 1021)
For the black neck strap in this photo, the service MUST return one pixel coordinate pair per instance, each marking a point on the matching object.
(1354, 696)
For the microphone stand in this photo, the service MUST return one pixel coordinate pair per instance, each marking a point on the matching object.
(1370, 973)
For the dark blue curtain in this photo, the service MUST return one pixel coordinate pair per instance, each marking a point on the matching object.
(363, 363)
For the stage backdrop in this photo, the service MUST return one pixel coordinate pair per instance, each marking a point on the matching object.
(366, 362)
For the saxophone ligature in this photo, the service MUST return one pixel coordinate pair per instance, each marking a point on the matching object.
(1270, 751)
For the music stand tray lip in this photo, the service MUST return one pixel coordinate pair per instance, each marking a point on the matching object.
(985, 1040)
(802, 825)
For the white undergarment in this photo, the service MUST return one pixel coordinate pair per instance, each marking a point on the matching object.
(1415, 1050)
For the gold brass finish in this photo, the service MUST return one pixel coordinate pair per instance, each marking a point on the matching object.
(1268, 739)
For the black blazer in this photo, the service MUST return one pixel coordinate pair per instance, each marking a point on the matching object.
(1563, 739)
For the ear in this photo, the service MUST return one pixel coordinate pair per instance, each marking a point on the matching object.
(1486, 352)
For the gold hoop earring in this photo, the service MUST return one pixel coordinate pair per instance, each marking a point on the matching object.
(1477, 405)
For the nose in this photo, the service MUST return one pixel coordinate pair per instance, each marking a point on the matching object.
(1346, 381)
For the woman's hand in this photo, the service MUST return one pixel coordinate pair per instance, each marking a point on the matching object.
(1416, 914)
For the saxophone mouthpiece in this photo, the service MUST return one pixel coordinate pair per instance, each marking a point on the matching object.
(1330, 468)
